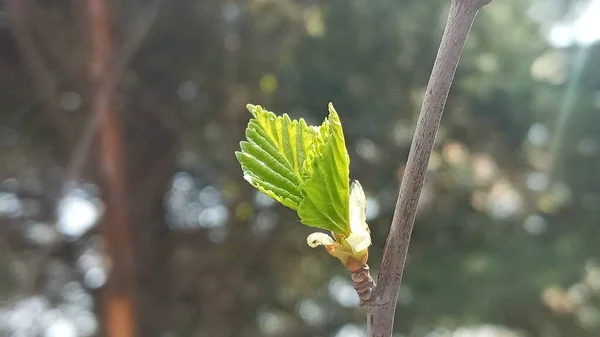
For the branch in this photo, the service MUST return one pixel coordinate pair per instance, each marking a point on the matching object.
(139, 30)
(44, 83)
(381, 305)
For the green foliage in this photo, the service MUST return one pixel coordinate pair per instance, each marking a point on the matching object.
(304, 168)
(326, 188)
(273, 154)
(466, 266)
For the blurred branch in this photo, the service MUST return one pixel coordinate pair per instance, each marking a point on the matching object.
(119, 290)
(137, 34)
(44, 83)
(382, 304)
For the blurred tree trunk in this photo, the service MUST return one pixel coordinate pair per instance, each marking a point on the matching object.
(118, 292)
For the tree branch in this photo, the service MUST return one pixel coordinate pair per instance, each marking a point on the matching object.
(382, 304)
(133, 41)
(44, 83)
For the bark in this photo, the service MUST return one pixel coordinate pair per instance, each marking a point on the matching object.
(118, 292)
(382, 304)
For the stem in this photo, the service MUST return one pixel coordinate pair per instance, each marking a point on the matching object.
(382, 306)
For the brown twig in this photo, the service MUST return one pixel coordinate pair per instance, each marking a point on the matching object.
(382, 304)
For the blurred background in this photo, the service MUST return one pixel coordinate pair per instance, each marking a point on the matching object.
(118, 124)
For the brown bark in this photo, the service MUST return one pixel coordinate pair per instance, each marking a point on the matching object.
(118, 293)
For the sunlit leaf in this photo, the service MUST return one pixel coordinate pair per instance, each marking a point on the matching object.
(325, 189)
(307, 169)
(273, 154)
(360, 236)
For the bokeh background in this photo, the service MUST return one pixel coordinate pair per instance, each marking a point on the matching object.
(507, 239)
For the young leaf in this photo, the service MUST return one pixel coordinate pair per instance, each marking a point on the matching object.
(351, 250)
(325, 190)
(272, 157)
(307, 169)
(360, 238)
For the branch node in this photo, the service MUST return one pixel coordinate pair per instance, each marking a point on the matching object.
(363, 283)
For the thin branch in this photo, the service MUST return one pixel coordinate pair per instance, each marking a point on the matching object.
(138, 32)
(44, 83)
(381, 306)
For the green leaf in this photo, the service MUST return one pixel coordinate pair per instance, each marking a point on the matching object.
(273, 155)
(325, 190)
(304, 168)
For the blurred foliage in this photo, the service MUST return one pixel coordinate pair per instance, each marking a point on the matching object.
(508, 225)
